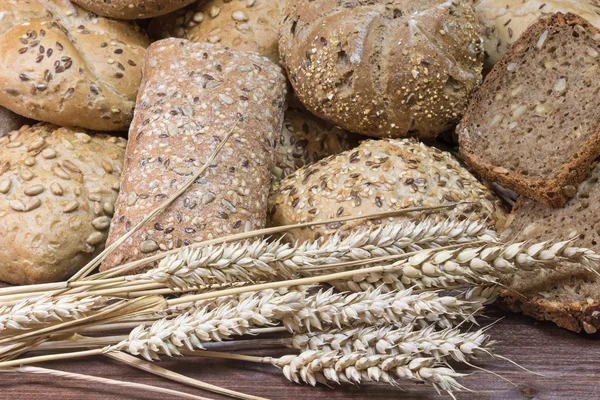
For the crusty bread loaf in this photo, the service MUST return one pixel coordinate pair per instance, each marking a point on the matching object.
(57, 192)
(64, 65)
(534, 124)
(503, 21)
(570, 297)
(9, 121)
(237, 24)
(383, 68)
(132, 9)
(379, 176)
(306, 139)
(191, 97)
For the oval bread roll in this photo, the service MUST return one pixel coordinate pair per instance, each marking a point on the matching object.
(379, 176)
(64, 65)
(58, 187)
(132, 9)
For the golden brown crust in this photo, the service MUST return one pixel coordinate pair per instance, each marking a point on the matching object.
(64, 65)
(132, 9)
(191, 96)
(57, 191)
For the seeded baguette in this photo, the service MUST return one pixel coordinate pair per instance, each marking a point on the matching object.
(64, 65)
(57, 192)
(132, 9)
(192, 95)
(236, 24)
(503, 21)
(379, 176)
(568, 296)
(534, 125)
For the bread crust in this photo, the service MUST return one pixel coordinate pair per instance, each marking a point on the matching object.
(554, 191)
(63, 65)
(132, 9)
(192, 95)
(57, 192)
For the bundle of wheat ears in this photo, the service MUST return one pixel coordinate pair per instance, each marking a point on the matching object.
(392, 303)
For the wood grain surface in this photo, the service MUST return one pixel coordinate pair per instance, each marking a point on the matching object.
(569, 363)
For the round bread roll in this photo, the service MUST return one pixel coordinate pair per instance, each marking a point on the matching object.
(58, 187)
(503, 21)
(132, 9)
(379, 176)
(394, 68)
(61, 64)
(247, 25)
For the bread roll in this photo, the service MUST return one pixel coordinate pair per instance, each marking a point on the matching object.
(191, 97)
(63, 65)
(57, 192)
(132, 9)
(379, 176)
(9, 121)
(503, 21)
(237, 24)
(392, 68)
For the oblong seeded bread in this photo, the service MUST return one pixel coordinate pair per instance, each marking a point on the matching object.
(248, 25)
(394, 68)
(64, 65)
(58, 187)
(192, 95)
(378, 176)
(569, 296)
(132, 9)
(534, 125)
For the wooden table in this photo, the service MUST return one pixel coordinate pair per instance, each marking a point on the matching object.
(570, 365)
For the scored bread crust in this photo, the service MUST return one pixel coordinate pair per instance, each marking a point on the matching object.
(132, 9)
(553, 191)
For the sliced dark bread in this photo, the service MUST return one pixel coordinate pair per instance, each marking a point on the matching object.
(534, 124)
(568, 296)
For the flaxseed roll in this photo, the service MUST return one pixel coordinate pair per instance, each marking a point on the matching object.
(192, 95)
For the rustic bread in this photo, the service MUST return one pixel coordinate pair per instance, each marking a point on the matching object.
(569, 296)
(378, 176)
(534, 125)
(63, 65)
(57, 192)
(132, 9)
(503, 21)
(192, 94)
(9, 121)
(237, 24)
(306, 139)
(393, 68)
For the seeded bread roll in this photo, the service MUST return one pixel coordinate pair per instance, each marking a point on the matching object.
(306, 139)
(57, 192)
(132, 9)
(569, 296)
(191, 97)
(503, 21)
(379, 176)
(534, 125)
(248, 25)
(9, 121)
(393, 68)
(62, 64)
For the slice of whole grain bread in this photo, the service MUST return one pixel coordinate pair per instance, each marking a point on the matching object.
(534, 124)
(568, 296)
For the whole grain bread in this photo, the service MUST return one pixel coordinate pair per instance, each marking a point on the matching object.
(503, 21)
(57, 192)
(569, 296)
(236, 24)
(393, 68)
(192, 95)
(379, 176)
(132, 9)
(534, 125)
(62, 64)
(9, 121)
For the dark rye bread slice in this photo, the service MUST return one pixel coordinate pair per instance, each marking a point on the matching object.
(534, 124)
(568, 296)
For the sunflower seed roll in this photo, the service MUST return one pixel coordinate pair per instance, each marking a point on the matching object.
(191, 96)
